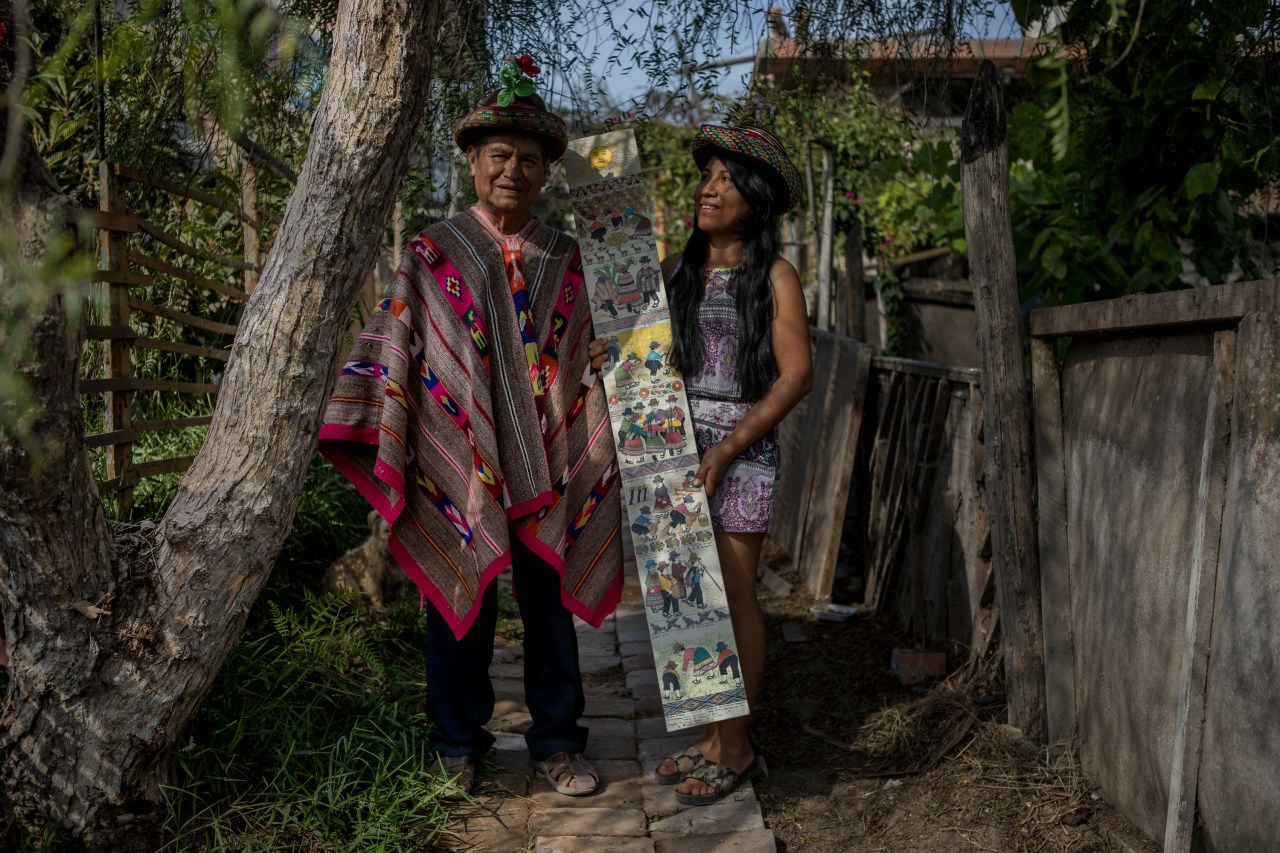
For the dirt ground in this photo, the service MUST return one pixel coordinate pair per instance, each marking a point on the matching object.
(858, 762)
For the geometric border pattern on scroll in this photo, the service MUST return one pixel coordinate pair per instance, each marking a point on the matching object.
(694, 651)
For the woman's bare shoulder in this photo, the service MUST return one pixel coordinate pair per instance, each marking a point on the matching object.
(783, 269)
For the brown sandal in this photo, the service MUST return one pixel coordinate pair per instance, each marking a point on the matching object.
(564, 772)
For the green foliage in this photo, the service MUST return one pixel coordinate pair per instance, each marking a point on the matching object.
(313, 738)
(664, 151)
(1153, 137)
(898, 181)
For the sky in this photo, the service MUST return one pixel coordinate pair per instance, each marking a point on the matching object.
(627, 83)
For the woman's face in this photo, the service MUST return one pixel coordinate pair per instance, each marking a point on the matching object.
(718, 204)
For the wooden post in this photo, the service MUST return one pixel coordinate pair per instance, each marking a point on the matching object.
(856, 318)
(115, 259)
(1009, 467)
(252, 238)
(826, 237)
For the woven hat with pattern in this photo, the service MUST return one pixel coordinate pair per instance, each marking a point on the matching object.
(523, 115)
(757, 145)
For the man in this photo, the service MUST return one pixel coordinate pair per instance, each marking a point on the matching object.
(469, 417)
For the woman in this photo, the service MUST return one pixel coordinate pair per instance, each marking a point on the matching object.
(735, 301)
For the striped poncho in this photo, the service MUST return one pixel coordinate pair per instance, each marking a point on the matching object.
(467, 413)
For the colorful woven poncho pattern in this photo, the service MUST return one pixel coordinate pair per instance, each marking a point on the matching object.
(467, 414)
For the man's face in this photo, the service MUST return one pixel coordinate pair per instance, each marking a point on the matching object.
(509, 173)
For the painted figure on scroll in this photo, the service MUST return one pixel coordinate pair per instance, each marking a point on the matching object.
(741, 340)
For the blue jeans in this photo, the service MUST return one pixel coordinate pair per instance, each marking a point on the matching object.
(460, 696)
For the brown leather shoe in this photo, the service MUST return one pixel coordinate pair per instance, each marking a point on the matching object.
(459, 777)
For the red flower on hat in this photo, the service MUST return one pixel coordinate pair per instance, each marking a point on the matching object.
(525, 61)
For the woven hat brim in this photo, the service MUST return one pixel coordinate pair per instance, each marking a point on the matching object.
(757, 146)
(546, 127)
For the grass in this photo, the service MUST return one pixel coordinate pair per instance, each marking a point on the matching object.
(313, 738)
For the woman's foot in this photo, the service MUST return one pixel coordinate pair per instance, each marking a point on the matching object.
(717, 772)
(712, 782)
(676, 768)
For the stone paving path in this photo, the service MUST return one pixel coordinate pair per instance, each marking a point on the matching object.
(516, 810)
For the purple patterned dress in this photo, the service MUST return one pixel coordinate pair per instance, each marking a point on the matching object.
(743, 502)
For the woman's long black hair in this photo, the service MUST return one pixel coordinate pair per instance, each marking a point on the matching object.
(761, 245)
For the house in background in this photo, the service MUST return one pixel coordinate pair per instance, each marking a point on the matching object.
(930, 82)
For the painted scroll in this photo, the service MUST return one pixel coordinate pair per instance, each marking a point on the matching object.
(694, 651)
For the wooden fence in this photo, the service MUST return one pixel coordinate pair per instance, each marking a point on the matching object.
(135, 255)
(886, 455)
(920, 509)
(1157, 440)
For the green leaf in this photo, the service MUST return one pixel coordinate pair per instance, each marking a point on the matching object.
(1207, 91)
(1201, 179)
(505, 97)
(524, 88)
(506, 76)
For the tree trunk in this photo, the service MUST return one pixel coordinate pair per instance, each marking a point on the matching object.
(110, 656)
(1015, 560)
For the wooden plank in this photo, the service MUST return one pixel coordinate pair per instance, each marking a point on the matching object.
(107, 220)
(133, 383)
(207, 283)
(115, 260)
(105, 439)
(855, 285)
(942, 291)
(122, 276)
(920, 520)
(793, 485)
(826, 236)
(172, 423)
(1055, 565)
(180, 316)
(191, 251)
(143, 470)
(107, 333)
(992, 265)
(953, 590)
(893, 487)
(164, 466)
(924, 255)
(1197, 306)
(884, 386)
(984, 617)
(818, 443)
(902, 466)
(1210, 499)
(123, 482)
(971, 375)
(824, 523)
(181, 348)
(186, 192)
(251, 231)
